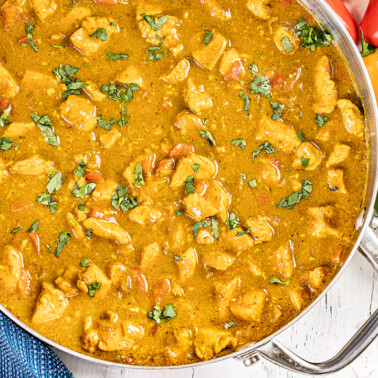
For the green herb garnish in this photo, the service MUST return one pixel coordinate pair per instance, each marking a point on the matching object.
(47, 129)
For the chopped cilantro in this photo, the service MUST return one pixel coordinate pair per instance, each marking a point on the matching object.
(304, 161)
(228, 325)
(79, 171)
(208, 36)
(366, 48)
(107, 125)
(239, 143)
(113, 56)
(47, 129)
(195, 168)
(260, 85)
(47, 200)
(62, 241)
(5, 144)
(295, 197)
(197, 226)
(266, 146)
(277, 281)
(54, 182)
(177, 258)
(81, 207)
(180, 212)
(155, 26)
(252, 183)
(287, 44)
(333, 188)
(301, 136)
(16, 229)
(85, 262)
(86, 189)
(214, 227)
(168, 313)
(88, 232)
(66, 75)
(93, 287)
(208, 136)
(121, 199)
(4, 116)
(138, 174)
(34, 226)
(232, 222)
(246, 101)
(321, 120)
(241, 233)
(156, 52)
(100, 33)
(189, 185)
(254, 70)
(278, 108)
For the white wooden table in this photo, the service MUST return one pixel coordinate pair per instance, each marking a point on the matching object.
(317, 336)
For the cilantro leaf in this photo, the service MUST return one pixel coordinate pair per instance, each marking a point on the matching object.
(107, 125)
(301, 136)
(85, 262)
(86, 189)
(278, 108)
(287, 44)
(34, 226)
(208, 36)
(4, 116)
(189, 185)
(321, 120)
(121, 199)
(155, 26)
(161, 316)
(239, 143)
(260, 85)
(47, 129)
(197, 226)
(113, 56)
(277, 281)
(267, 147)
(246, 101)
(228, 325)
(54, 182)
(138, 174)
(305, 161)
(214, 227)
(232, 222)
(79, 171)
(208, 136)
(93, 288)
(66, 76)
(295, 197)
(5, 144)
(62, 241)
(100, 33)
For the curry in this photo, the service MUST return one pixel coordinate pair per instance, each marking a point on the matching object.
(178, 179)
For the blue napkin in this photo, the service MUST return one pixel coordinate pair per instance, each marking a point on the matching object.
(21, 355)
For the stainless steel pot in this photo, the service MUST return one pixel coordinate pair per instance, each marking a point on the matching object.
(365, 242)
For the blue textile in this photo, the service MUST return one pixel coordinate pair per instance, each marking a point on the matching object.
(23, 356)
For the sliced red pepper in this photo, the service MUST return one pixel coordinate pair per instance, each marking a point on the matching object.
(369, 24)
(21, 206)
(93, 177)
(35, 240)
(234, 72)
(181, 150)
(357, 8)
(347, 19)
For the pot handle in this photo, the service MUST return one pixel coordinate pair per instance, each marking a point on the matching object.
(278, 354)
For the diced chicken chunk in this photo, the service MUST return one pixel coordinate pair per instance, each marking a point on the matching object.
(325, 91)
(260, 8)
(210, 200)
(225, 291)
(178, 74)
(145, 213)
(50, 304)
(17, 129)
(315, 277)
(255, 270)
(231, 65)
(307, 156)
(39, 81)
(3, 170)
(12, 14)
(67, 281)
(294, 182)
(84, 39)
(296, 298)
(237, 244)
(13, 275)
(131, 75)
(336, 180)
(260, 228)
(77, 230)
(110, 138)
(204, 237)
(148, 164)
(286, 41)
(196, 98)
(94, 92)
(284, 258)
(352, 117)
(218, 260)
(73, 19)
(319, 225)
(249, 306)
(33, 166)
(188, 264)
(188, 122)
(44, 8)
(283, 137)
(8, 85)
(90, 274)
(207, 55)
(104, 190)
(209, 342)
(339, 154)
(206, 171)
(269, 171)
(79, 113)
(107, 230)
(150, 255)
(216, 10)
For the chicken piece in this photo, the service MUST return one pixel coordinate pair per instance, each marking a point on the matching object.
(145, 213)
(85, 39)
(260, 228)
(169, 31)
(284, 259)
(110, 138)
(204, 237)
(276, 313)
(94, 92)
(14, 277)
(3, 170)
(207, 55)
(196, 98)
(39, 82)
(12, 14)
(178, 236)
(237, 244)
(104, 190)
(316, 277)
(336, 180)
(33, 166)
(217, 260)
(212, 200)
(44, 8)
(50, 304)
(319, 226)
(131, 75)
(72, 20)
(209, 342)
(17, 129)
(294, 182)
(296, 298)
(8, 85)
(269, 171)
(352, 117)
(255, 270)
(79, 113)
(149, 7)
(224, 293)
(178, 74)
(165, 167)
(187, 265)
(325, 132)
(148, 164)
(150, 255)
(67, 281)
(339, 154)
(231, 65)
(126, 277)
(250, 306)
(188, 123)
(107, 230)
(283, 137)
(90, 274)
(286, 41)
(325, 91)
(308, 157)
(181, 150)
(77, 230)
(216, 10)
(206, 171)
(260, 8)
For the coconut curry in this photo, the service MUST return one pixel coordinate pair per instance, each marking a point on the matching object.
(178, 179)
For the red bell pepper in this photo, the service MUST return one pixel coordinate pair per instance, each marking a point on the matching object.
(357, 8)
(369, 24)
(347, 19)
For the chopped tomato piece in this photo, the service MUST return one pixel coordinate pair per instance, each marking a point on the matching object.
(165, 167)
(181, 150)
(139, 278)
(336, 257)
(35, 240)
(234, 72)
(161, 292)
(148, 163)
(93, 177)
(11, 15)
(21, 206)
(277, 80)
(4, 104)
(23, 39)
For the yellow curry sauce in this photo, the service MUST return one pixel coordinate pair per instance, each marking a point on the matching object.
(178, 178)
